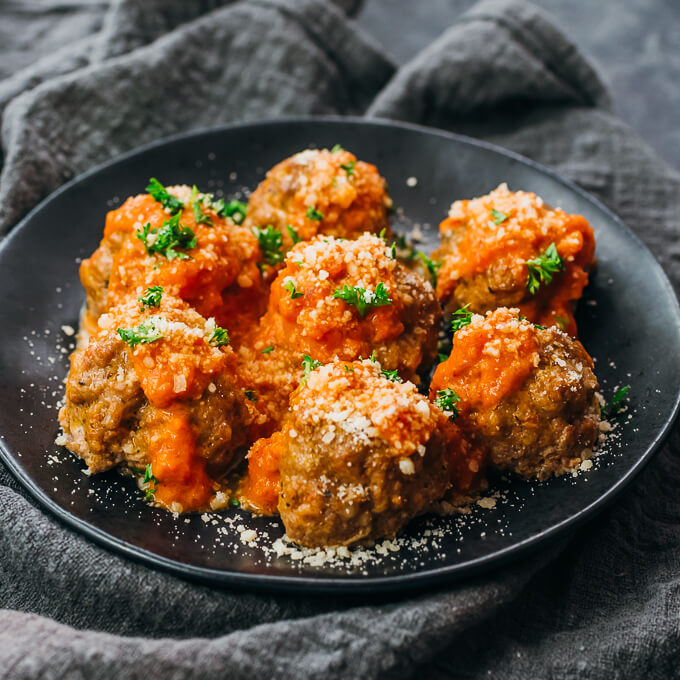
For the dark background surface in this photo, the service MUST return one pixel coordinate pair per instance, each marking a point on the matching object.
(635, 44)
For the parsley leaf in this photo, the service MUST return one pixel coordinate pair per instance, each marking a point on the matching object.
(219, 337)
(267, 350)
(166, 239)
(615, 404)
(313, 214)
(431, 266)
(461, 317)
(292, 232)
(143, 334)
(562, 322)
(250, 395)
(235, 502)
(337, 147)
(348, 168)
(151, 298)
(271, 243)
(149, 478)
(392, 375)
(498, 216)
(234, 209)
(309, 365)
(159, 193)
(543, 267)
(289, 285)
(408, 252)
(199, 216)
(446, 400)
(363, 299)
(442, 357)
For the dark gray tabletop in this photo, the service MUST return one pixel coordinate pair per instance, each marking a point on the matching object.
(633, 42)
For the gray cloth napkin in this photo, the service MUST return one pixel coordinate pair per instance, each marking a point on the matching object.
(603, 605)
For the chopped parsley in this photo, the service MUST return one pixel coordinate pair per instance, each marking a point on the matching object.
(292, 232)
(498, 216)
(234, 209)
(219, 337)
(289, 285)
(267, 350)
(270, 241)
(159, 193)
(447, 401)
(143, 334)
(151, 297)
(543, 267)
(199, 216)
(337, 147)
(309, 365)
(615, 404)
(235, 502)
(149, 479)
(404, 246)
(313, 214)
(250, 395)
(442, 357)
(461, 317)
(167, 239)
(392, 375)
(349, 369)
(363, 299)
(562, 322)
(431, 266)
(348, 168)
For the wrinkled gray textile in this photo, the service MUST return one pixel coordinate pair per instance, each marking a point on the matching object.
(604, 605)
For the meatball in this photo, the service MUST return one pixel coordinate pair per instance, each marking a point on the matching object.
(339, 299)
(509, 249)
(156, 385)
(362, 456)
(193, 253)
(527, 394)
(321, 192)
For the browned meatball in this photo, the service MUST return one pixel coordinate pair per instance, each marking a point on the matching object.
(510, 249)
(527, 394)
(362, 456)
(326, 304)
(157, 386)
(321, 192)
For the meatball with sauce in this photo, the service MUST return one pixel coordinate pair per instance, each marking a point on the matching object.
(527, 394)
(362, 456)
(320, 192)
(183, 244)
(341, 299)
(510, 249)
(156, 385)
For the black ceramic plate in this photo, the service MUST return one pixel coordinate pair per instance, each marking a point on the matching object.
(629, 321)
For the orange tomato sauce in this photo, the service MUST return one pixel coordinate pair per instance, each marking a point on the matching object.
(489, 359)
(260, 489)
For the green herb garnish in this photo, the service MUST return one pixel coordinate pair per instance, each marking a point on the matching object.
(149, 478)
(165, 240)
(431, 266)
(143, 334)
(159, 193)
(219, 337)
(309, 365)
(364, 299)
(292, 232)
(461, 317)
(615, 404)
(313, 214)
(151, 297)
(289, 285)
(267, 350)
(336, 147)
(250, 395)
(543, 267)
(442, 357)
(199, 216)
(562, 322)
(498, 216)
(235, 502)
(392, 375)
(348, 168)
(446, 400)
(234, 209)
(270, 241)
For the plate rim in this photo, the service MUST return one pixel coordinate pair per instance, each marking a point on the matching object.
(350, 584)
